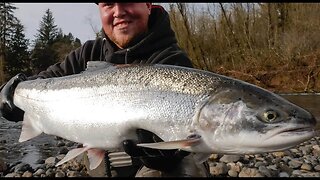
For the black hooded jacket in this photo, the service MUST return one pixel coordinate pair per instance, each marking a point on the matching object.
(157, 46)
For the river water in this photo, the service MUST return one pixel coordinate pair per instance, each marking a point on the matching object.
(44, 146)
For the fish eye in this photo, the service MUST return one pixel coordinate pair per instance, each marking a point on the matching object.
(270, 116)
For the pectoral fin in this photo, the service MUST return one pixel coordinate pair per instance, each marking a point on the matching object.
(179, 144)
(29, 128)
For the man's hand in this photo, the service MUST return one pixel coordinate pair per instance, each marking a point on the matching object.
(7, 109)
(162, 160)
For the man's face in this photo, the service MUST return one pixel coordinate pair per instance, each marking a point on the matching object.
(124, 21)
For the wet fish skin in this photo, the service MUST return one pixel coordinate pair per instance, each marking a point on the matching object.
(102, 107)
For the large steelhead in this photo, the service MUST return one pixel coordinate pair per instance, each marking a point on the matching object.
(190, 109)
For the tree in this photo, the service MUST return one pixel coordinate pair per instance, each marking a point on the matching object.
(43, 55)
(47, 31)
(7, 20)
(18, 55)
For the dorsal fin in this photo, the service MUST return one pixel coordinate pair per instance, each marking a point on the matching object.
(95, 65)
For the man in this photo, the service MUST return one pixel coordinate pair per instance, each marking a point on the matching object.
(131, 33)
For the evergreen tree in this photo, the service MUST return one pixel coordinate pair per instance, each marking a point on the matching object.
(7, 20)
(48, 31)
(43, 54)
(18, 55)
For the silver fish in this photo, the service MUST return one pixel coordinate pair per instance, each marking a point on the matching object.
(190, 109)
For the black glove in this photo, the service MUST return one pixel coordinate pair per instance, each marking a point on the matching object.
(162, 160)
(7, 109)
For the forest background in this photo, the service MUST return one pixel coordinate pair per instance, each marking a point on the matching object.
(273, 45)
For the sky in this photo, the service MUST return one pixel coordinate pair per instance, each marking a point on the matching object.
(81, 19)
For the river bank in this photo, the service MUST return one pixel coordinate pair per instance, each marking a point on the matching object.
(300, 161)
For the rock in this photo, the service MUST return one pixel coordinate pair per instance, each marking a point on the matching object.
(14, 174)
(285, 168)
(40, 161)
(60, 143)
(229, 158)
(296, 173)
(219, 169)
(232, 173)
(235, 167)
(27, 174)
(250, 172)
(63, 150)
(213, 157)
(317, 168)
(73, 174)
(278, 154)
(266, 172)
(294, 163)
(22, 167)
(50, 173)
(51, 160)
(283, 174)
(60, 174)
(305, 166)
(3, 166)
(3, 141)
(306, 149)
(273, 167)
(69, 143)
(60, 156)
(39, 172)
(258, 164)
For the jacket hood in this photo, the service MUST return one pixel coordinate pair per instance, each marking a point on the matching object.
(159, 35)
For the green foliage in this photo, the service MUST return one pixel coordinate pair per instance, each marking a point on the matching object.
(14, 45)
(18, 55)
(51, 45)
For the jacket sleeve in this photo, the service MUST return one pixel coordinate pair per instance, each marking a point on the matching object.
(74, 63)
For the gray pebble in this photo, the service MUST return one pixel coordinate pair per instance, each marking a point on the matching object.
(63, 150)
(39, 172)
(263, 170)
(283, 174)
(69, 143)
(229, 158)
(22, 167)
(317, 168)
(232, 173)
(295, 163)
(60, 143)
(14, 174)
(51, 160)
(50, 173)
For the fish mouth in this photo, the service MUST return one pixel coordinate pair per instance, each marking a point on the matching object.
(303, 131)
(297, 130)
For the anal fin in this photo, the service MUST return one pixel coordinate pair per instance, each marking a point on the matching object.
(95, 157)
